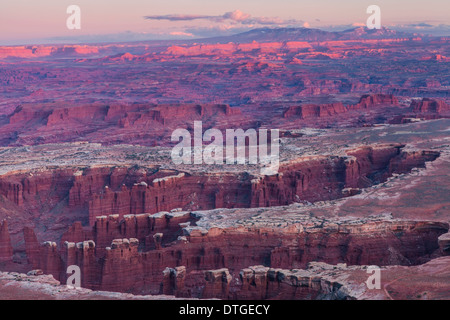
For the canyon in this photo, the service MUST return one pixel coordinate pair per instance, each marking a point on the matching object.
(87, 178)
(210, 227)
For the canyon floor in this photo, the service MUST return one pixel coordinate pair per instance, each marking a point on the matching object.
(87, 178)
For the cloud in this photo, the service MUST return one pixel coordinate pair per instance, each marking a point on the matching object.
(235, 16)
(180, 33)
(179, 17)
(226, 24)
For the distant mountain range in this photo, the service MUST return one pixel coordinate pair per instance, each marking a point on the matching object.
(309, 34)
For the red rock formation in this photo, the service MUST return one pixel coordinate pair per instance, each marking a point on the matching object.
(320, 281)
(44, 51)
(177, 191)
(6, 250)
(50, 260)
(319, 178)
(81, 254)
(112, 124)
(234, 48)
(22, 188)
(124, 267)
(427, 105)
(260, 283)
(314, 111)
(174, 281)
(152, 229)
(194, 112)
(32, 247)
(84, 195)
(70, 116)
(408, 160)
(310, 111)
(254, 283)
(368, 101)
(23, 115)
(217, 284)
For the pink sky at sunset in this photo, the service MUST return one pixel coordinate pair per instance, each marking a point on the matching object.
(26, 21)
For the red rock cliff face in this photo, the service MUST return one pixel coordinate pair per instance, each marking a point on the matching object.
(178, 191)
(324, 178)
(141, 226)
(44, 51)
(146, 124)
(32, 247)
(167, 113)
(260, 283)
(311, 179)
(408, 160)
(84, 194)
(23, 115)
(70, 116)
(368, 101)
(140, 115)
(310, 111)
(427, 105)
(25, 189)
(368, 165)
(6, 251)
(125, 266)
(315, 111)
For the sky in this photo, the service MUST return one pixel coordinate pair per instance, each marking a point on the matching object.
(44, 21)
